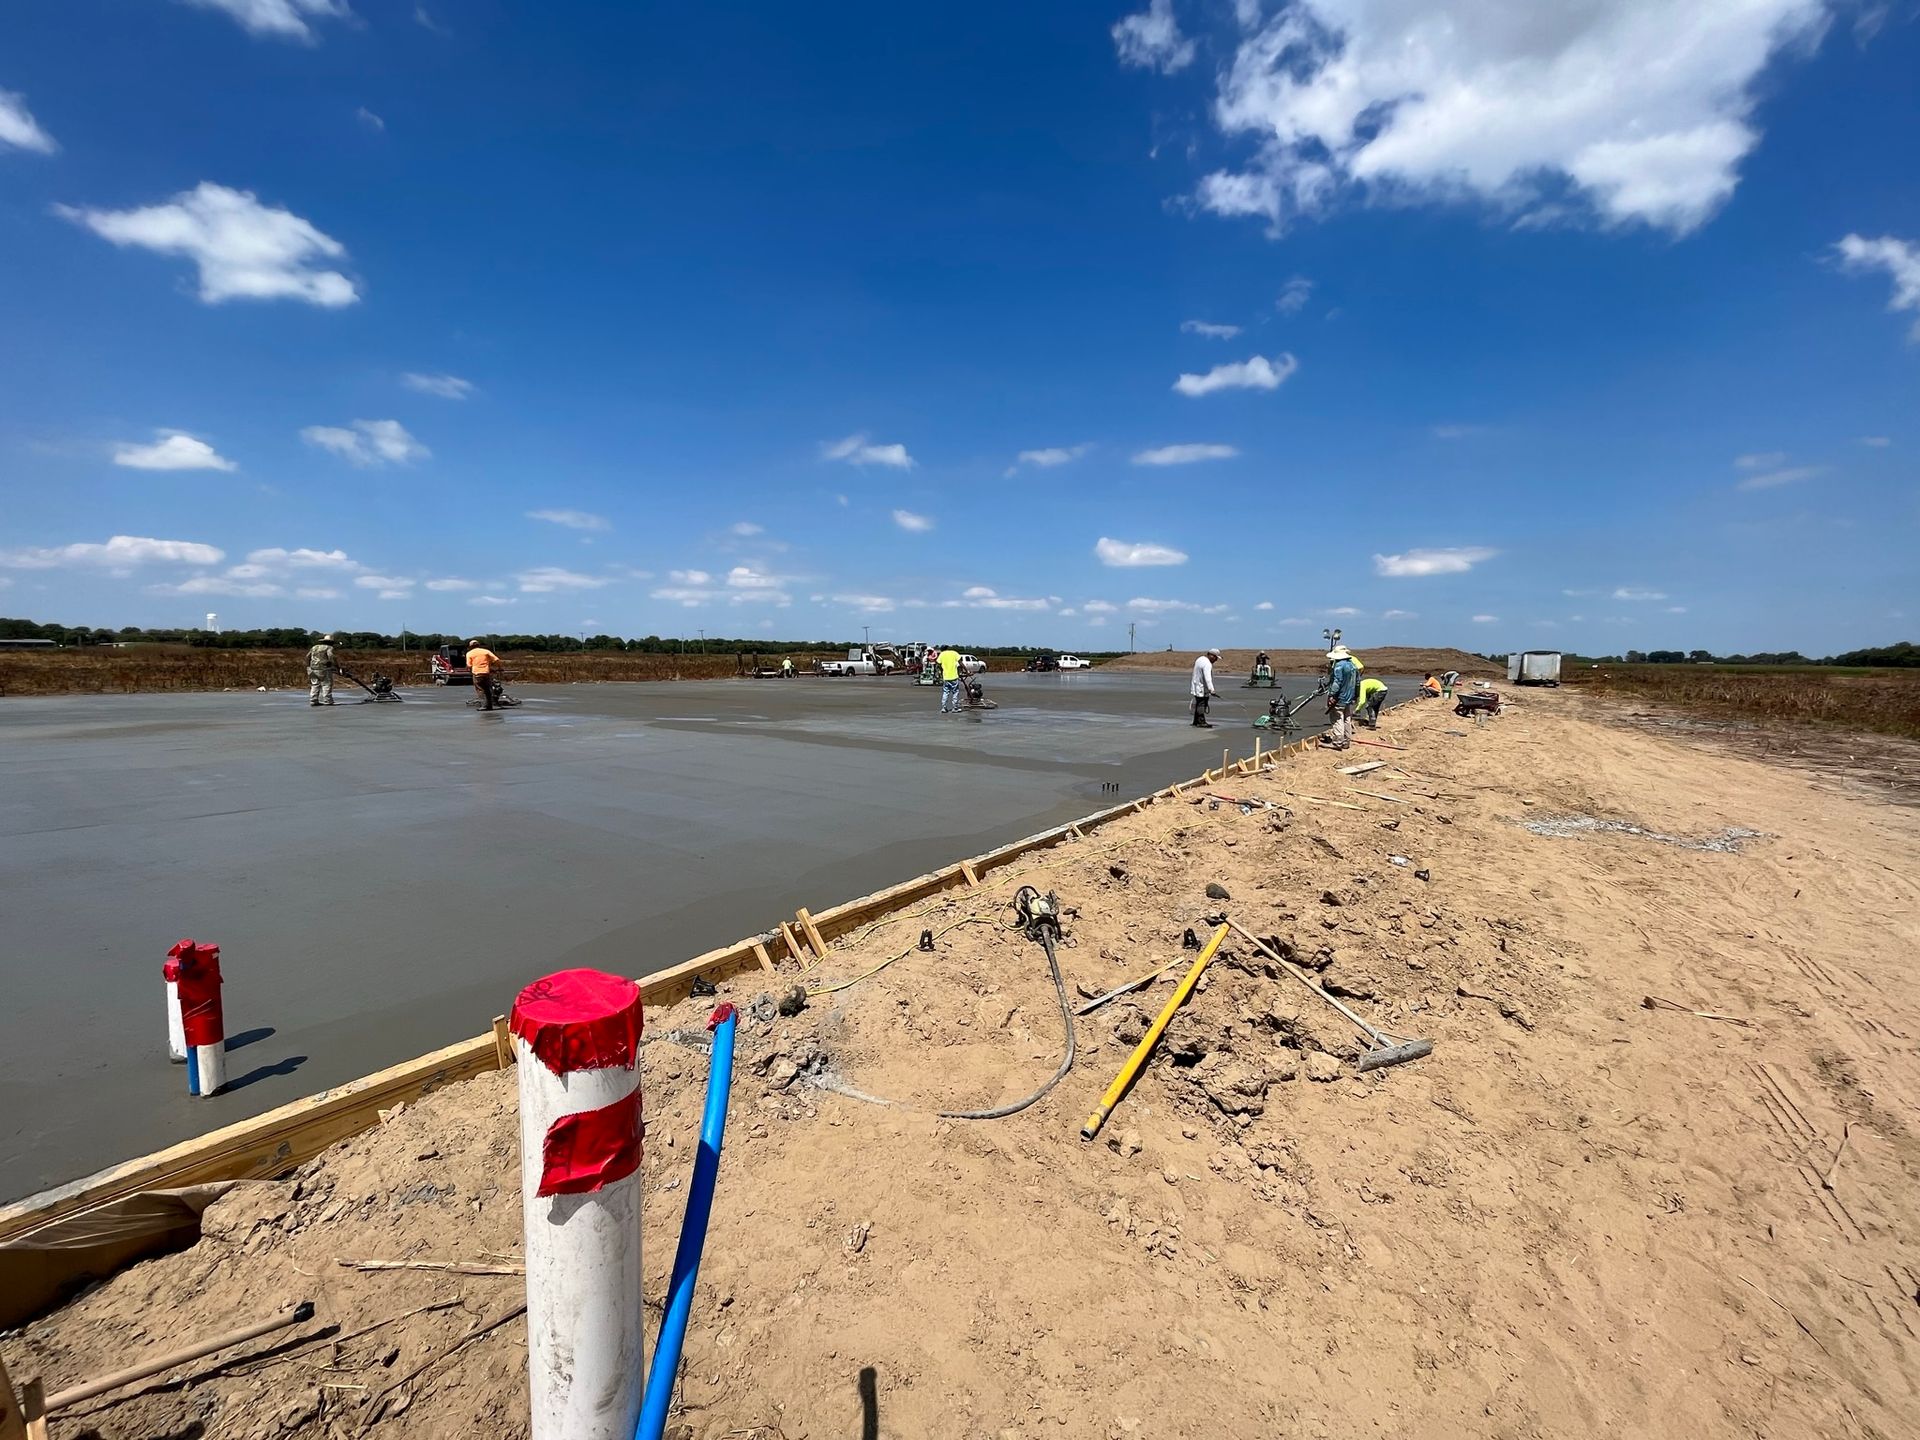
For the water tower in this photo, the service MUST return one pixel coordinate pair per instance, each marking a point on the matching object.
(213, 623)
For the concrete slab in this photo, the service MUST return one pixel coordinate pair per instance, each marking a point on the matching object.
(383, 878)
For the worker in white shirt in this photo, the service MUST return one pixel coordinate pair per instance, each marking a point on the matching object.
(1202, 689)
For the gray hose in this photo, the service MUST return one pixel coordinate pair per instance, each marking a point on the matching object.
(1046, 933)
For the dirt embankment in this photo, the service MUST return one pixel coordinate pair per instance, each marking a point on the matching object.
(1577, 1216)
(1386, 660)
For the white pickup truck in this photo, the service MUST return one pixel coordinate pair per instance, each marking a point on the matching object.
(858, 662)
(1074, 662)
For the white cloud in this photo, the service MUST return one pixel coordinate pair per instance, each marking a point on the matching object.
(1212, 332)
(907, 520)
(1341, 612)
(18, 128)
(978, 592)
(856, 450)
(1144, 605)
(368, 443)
(233, 583)
(545, 579)
(317, 592)
(1763, 460)
(866, 604)
(451, 585)
(745, 577)
(278, 19)
(120, 553)
(1637, 592)
(746, 529)
(302, 559)
(1184, 454)
(1048, 458)
(493, 600)
(1152, 40)
(1878, 442)
(1486, 619)
(386, 584)
(571, 519)
(447, 387)
(1264, 605)
(244, 250)
(1899, 258)
(1773, 479)
(1644, 109)
(367, 118)
(689, 577)
(1259, 373)
(985, 597)
(1293, 295)
(1126, 553)
(174, 450)
(1099, 607)
(1676, 609)
(1399, 615)
(1451, 560)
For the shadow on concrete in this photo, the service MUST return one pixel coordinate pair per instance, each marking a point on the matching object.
(248, 1037)
(265, 1072)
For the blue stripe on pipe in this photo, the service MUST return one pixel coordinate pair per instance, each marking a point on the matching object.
(193, 1069)
(693, 1236)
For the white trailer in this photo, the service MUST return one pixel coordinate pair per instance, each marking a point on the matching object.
(1533, 667)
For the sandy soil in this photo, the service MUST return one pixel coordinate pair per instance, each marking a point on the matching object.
(1578, 1216)
(1382, 660)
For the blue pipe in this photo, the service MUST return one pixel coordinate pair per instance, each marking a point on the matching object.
(693, 1232)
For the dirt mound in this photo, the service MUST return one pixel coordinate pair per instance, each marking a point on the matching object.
(1577, 1215)
(1386, 660)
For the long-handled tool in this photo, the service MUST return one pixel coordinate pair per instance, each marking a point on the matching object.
(1386, 1050)
(381, 689)
(1152, 1038)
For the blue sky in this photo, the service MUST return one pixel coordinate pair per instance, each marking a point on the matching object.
(1467, 324)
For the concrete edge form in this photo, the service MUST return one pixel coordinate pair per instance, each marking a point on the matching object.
(271, 1144)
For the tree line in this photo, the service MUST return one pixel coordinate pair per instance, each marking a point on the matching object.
(1903, 655)
(291, 639)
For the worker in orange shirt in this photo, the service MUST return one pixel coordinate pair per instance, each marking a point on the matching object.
(483, 663)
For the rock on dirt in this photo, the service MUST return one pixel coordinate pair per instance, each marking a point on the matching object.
(1322, 1067)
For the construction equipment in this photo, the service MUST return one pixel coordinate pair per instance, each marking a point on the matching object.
(449, 666)
(496, 693)
(1262, 673)
(1477, 702)
(1385, 1049)
(976, 696)
(1280, 712)
(380, 690)
(1039, 916)
(1136, 1061)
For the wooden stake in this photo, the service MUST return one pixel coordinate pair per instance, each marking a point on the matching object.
(13, 1425)
(812, 932)
(973, 880)
(33, 1410)
(794, 951)
(760, 954)
(502, 1042)
(1378, 795)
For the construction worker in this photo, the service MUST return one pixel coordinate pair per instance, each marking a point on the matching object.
(1343, 689)
(1448, 681)
(1430, 686)
(949, 680)
(483, 663)
(1201, 690)
(321, 663)
(786, 667)
(1372, 695)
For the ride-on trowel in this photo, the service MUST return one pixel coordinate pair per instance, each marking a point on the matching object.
(1262, 673)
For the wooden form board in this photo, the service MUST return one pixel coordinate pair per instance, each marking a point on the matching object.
(271, 1144)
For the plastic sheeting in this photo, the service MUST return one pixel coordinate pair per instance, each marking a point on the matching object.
(45, 1267)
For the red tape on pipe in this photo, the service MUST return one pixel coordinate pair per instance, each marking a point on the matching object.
(195, 968)
(580, 1020)
(591, 1149)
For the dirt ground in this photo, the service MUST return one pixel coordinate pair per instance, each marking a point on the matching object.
(1386, 660)
(1577, 1216)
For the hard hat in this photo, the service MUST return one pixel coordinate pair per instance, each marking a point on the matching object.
(326, 639)
(1213, 652)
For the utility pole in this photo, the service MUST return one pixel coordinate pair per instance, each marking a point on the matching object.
(866, 632)
(703, 642)
(1130, 637)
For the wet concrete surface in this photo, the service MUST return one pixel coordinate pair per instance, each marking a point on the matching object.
(382, 879)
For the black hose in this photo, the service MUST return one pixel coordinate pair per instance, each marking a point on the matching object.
(1043, 927)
